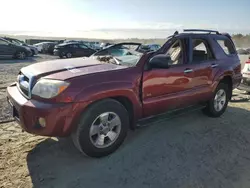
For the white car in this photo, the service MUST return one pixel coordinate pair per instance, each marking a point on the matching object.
(40, 46)
(245, 83)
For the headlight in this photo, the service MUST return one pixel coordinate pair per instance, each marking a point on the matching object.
(46, 88)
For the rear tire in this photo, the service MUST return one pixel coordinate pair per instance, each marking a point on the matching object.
(20, 55)
(97, 137)
(217, 105)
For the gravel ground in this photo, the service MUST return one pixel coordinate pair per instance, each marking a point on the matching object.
(191, 150)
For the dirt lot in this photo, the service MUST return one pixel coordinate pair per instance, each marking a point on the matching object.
(191, 150)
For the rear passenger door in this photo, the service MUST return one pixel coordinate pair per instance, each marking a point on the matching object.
(206, 66)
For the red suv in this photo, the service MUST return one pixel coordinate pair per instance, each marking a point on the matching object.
(96, 100)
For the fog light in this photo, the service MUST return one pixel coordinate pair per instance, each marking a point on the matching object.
(42, 122)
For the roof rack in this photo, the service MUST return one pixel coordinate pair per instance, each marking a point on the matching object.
(201, 30)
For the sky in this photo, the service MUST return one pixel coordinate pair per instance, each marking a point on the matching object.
(121, 18)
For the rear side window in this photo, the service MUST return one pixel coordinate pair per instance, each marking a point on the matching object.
(227, 46)
(201, 51)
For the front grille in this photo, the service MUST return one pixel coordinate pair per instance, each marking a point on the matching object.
(24, 83)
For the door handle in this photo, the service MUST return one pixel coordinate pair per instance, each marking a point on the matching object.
(188, 70)
(214, 65)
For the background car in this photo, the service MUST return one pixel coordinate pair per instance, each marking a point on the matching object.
(119, 49)
(48, 47)
(149, 47)
(242, 51)
(105, 44)
(33, 49)
(73, 49)
(11, 50)
(42, 46)
(245, 84)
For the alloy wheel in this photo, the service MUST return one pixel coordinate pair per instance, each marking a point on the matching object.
(220, 100)
(105, 129)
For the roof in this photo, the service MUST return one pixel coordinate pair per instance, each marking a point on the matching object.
(198, 32)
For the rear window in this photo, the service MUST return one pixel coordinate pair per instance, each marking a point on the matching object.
(227, 46)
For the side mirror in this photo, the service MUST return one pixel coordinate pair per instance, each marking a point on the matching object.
(160, 61)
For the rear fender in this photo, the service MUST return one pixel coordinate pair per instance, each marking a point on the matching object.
(219, 76)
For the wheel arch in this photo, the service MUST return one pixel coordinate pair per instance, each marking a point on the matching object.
(229, 81)
(125, 92)
(226, 79)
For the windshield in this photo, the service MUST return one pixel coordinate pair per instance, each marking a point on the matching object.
(17, 42)
(129, 60)
(125, 60)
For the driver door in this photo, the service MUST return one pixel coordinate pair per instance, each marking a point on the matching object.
(6, 50)
(168, 88)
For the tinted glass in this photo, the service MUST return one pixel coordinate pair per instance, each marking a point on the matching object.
(201, 50)
(2, 42)
(227, 46)
(175, 53)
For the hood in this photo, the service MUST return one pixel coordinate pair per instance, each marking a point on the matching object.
(63, 69)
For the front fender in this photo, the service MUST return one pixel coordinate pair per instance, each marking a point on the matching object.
(100, 91)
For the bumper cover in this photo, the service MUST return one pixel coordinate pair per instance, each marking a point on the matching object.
(27, 112)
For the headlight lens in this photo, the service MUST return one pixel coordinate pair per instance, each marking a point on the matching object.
(46, 88)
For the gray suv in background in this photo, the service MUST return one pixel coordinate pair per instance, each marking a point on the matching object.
(33, 49)
(11, 50)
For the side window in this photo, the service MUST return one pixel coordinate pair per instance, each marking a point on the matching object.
(176, 54)
(73, 46)
(83, 46)
(201, 50)
(117, 52)
(227, 46)
(3, 42)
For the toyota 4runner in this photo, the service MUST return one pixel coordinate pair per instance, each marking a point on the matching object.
(96, 100)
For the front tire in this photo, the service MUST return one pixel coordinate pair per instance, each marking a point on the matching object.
(68, 55)
(217, 105)
(32, 53)
(102, 128)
